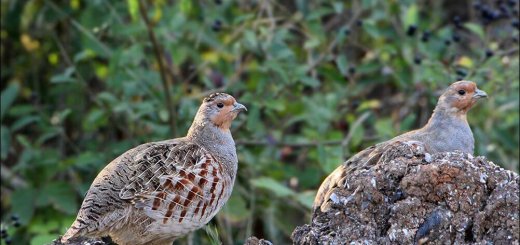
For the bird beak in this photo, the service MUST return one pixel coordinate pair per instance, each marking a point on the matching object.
(239, 107)
(479, 94)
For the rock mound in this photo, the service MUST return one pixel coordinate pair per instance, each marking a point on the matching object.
(412, 197)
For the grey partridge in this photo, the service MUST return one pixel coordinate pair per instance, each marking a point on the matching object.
(446, 130)
(159, 191)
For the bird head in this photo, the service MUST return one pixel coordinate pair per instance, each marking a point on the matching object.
(460, 97)
(220, 109)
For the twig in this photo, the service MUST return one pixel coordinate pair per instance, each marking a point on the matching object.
(81, 28)
(14, 181)
(234, 78)
(509, 51)
(354, 127)
(293, 144)
(162, 70)
(334, 43)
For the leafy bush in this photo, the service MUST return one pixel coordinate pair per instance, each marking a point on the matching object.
(83, 81)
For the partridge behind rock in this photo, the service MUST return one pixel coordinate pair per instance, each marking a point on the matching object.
(159, 191)
(446, 130)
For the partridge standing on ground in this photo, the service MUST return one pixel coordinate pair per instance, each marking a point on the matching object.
(446, 130)
(159, 191)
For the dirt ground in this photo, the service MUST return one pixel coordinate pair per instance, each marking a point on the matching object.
(412, 197)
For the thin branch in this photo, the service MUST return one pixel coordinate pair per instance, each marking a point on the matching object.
(81, 28)
(162, 69)
(12, 179)
(292, 144)
(334, 43)
(354, 127)
(234, 79)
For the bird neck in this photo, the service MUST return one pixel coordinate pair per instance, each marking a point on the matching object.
(218, 142)
(205, 130)
(447, 116)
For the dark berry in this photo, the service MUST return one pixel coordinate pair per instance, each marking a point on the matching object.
(34, 97)
(217, 25)
(457, 21)
(411, 30)
(3, 233)
(495, 15)
(489, 53)
(356, 103)
(477, 6)
(447, 42)
(455, 37)
(426, 36)
(515, 24)
(8, 240)
(346, 31)
(352, 70)
(218, 2)
(16, 223)
(504, 12)
(461, 73)
(359, 22)
(417, 60)
(15, 217)
(511, 3)
(487, 13)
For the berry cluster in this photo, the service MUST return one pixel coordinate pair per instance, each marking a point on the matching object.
(487, 13)
(15, 221)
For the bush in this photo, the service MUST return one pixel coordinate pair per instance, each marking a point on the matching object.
(83, 81)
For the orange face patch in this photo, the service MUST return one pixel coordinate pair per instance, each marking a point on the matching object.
(225, 116)
(467, 86)
(229, 101)
(466, 101)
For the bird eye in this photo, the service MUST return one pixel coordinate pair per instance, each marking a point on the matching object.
(462, 92)
(220, 105)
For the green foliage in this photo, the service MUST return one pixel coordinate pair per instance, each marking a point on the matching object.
(81, 84)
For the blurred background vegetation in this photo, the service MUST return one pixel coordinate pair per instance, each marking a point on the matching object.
(83, 81)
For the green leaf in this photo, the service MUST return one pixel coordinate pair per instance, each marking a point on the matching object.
(253, 118)
(60, 195)
(43, 239)
(341, 63)
(24, 121)
(273, 186)
(23, 204)
(66, 76)
(372, 30)
(95, 119)
(84, 55)
(384, 128)
(88, 159)
(412, 16)
(306, 198)
(309, 81)
(311, 43)
(133, 9)
(8, 96)
(236, 209)
(5, 136)
(186, 6)
(477, 29)
(49, 134)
